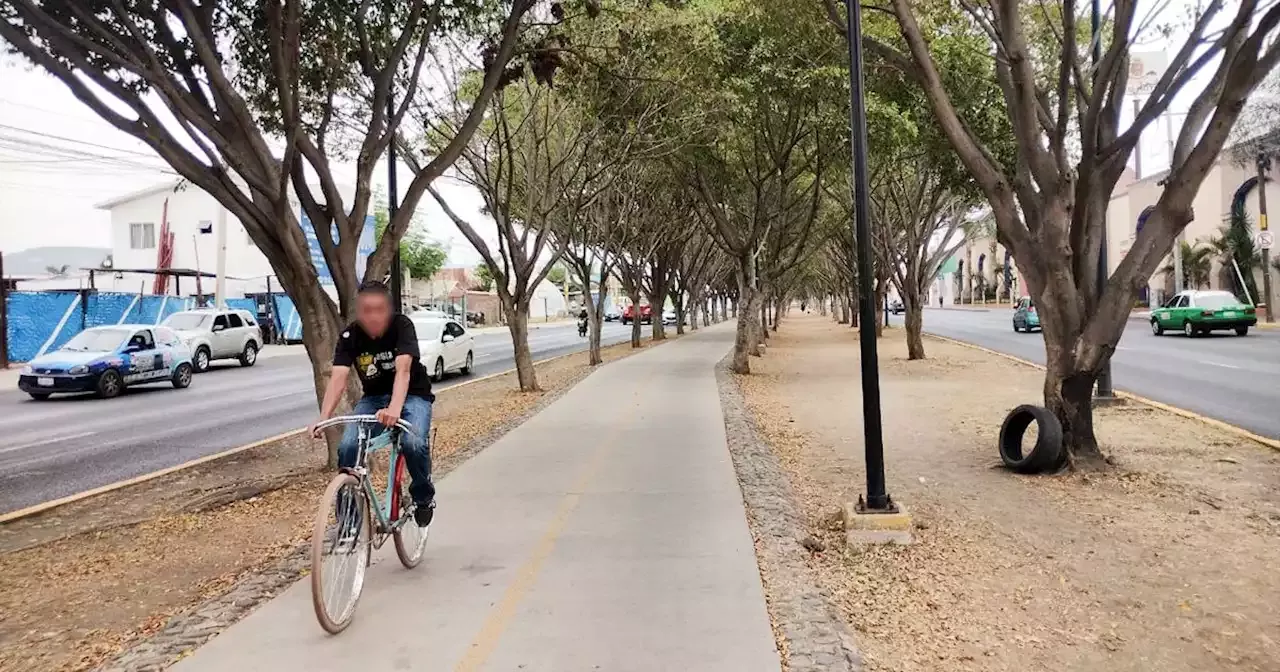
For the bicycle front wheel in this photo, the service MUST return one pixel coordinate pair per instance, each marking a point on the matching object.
(340, 551)
(410, 539)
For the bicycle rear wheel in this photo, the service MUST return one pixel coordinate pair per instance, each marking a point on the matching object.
(410, 539)
(340, 552)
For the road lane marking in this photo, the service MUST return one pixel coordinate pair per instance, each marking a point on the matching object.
(279, 395)
(1225, 366)
(41, 442)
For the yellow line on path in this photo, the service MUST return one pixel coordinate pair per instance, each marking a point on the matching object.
(502, 614)
(1192, 415)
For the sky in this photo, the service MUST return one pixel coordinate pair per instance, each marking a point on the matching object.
(58, 160)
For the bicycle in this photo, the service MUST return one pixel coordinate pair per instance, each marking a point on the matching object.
(346, 531)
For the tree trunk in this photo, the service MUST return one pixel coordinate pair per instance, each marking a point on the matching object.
(915, 325)
(677, 302)
(319, 337)
(595, 324)
(657, 300)
(518, 325)
(880, 296)
(1068, 394)
(635, 318)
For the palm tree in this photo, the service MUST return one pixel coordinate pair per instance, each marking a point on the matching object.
(1235, 242)
(1197, 264)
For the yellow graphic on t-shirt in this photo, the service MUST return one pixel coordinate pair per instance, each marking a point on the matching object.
(364, 360)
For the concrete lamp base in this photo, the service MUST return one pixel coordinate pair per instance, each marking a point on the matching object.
(864, 529)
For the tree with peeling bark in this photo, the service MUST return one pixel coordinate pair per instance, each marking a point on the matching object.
(1049, 199)
(254, 102)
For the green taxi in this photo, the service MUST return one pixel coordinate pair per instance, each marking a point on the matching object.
(1025, 317)
(1200, 312)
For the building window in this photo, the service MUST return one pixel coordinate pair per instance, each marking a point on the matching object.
(142, 236)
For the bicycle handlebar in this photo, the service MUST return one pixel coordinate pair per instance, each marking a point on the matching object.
(352, 419)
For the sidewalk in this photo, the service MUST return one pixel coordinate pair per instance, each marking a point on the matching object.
(606, 533)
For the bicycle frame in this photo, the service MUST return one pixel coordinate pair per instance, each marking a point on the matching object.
(387, 439)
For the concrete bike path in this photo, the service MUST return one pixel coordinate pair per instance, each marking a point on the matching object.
(606, 533)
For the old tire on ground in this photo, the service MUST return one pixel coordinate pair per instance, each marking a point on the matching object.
(1045, 455)
(110, 384)
(200, 360)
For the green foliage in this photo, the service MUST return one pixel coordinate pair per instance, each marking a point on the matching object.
(1197, 264)
(484, 278)
(1235, 242)
(423, 258)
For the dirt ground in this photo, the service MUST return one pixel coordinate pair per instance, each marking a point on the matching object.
(81, 582)
(1167, 561)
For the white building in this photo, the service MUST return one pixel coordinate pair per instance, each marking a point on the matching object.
(194, 217)
(135, 232)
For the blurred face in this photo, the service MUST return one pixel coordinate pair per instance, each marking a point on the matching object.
(373, 312)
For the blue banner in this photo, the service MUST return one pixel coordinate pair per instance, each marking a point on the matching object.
(364, 248)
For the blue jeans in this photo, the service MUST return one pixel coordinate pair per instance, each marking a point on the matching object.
(417, 453)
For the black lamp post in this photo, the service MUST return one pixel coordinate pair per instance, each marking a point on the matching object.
(393, 204)
(878, 499)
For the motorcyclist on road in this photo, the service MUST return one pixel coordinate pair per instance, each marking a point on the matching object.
(382, 346)
(582, 321)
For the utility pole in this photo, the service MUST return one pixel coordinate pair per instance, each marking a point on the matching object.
(4, 317)
(1104, 377)
(1264, 236)
(220, 266)
(393, 205)
(877, 500)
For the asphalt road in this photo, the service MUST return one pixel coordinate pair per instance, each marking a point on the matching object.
(67, 445)
(1223, 376)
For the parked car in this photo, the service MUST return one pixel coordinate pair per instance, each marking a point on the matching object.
(612, 314)
(669, 317)
(214, 334)
(106, 360)
(629, 314)
(896, 307)
(444, 345)
(1200, 312)
(1025, 317)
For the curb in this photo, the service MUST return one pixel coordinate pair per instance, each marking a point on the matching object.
(1191, 415)
(69, 499)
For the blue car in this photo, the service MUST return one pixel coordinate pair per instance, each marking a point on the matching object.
(1025, 317)
(106, 360)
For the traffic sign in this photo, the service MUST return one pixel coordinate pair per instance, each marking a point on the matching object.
(1265, 240)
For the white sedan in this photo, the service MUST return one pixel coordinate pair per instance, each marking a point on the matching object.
(444, 345)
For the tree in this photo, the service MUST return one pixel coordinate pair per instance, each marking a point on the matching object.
(421, 257)
(233, 97)
(1049, 198)
(918, 220)
(1234, 243)
(57, 271)
(484, 278)
(1197, 264)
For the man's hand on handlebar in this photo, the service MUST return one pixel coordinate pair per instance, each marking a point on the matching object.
(388, 417)
(314, 430)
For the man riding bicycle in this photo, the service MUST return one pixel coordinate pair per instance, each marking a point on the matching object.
(382, 346)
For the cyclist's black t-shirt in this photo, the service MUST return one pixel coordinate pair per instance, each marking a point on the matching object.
(374, 359)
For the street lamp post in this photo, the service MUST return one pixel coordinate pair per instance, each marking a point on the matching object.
(877, 499)
(1264, 166)
(1104, 377)
(393, 204)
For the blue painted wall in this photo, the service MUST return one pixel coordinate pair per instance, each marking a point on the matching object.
(33, 317)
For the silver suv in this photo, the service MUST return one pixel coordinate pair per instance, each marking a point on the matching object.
(217, 334)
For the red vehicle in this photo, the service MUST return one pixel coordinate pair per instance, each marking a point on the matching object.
(629, 314)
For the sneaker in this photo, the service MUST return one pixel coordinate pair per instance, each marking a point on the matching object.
(424, 513)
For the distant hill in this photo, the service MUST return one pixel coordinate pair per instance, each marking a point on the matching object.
(37, 261)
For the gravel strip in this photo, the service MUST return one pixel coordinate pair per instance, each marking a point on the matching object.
(809, 634)
(186, 632)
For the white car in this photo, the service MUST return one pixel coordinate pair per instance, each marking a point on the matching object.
(444, 345)
(217, 334)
